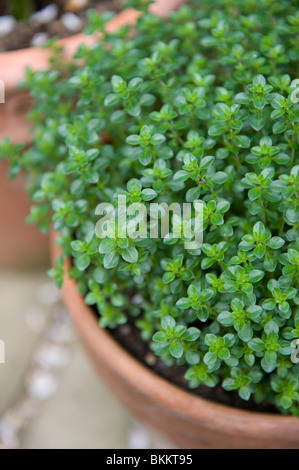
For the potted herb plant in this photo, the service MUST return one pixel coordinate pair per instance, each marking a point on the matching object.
(200, 110)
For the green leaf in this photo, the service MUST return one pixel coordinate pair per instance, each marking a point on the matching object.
(117, 82)
(217, 129)
(183, 303)
(179, 330)
(224, 354)
(168, 322)
(111, 100)
(207, 263)
(242, 141)
(134, 186)
(226, 319)
(106, 246)
(111, 260)
(176, 350)
(254, 193)
(133, 140)
(210, 359)
(192, 194)
(245, 393)
(257, 344)
(245, 333)
(279, 127)
(77, 245)
(181, 175)
(256, 275)
(82, 262)
(269, 304)
(135, 83)
(158, 139)
(268, 362)
(192, 357)
(259, 80)
(160, 337)
(217, 219)
(168, 277)
(271, 327)
(206, 162)
(130, 254)
(259, 228)
(192, 334)
(257, 122)
(219, 178)
(275, 243)
(242, 98)
(148, 194)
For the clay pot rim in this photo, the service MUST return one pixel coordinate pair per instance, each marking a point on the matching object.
(225, 418)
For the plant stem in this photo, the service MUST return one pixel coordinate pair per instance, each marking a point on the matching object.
(22, 9)
(281, 228)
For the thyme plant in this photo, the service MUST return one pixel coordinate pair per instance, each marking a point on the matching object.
(202, 107)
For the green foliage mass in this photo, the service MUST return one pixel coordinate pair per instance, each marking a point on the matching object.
(201, 107)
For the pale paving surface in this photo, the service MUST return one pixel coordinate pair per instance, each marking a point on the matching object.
(17, 294)
(82, 413)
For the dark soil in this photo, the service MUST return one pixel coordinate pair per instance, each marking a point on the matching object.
(129, 337)
(24, 31)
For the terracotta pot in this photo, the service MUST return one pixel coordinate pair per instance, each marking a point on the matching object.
(189, 421)
(21, 244)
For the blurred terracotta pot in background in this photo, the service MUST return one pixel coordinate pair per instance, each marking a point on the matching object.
(21, 245)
